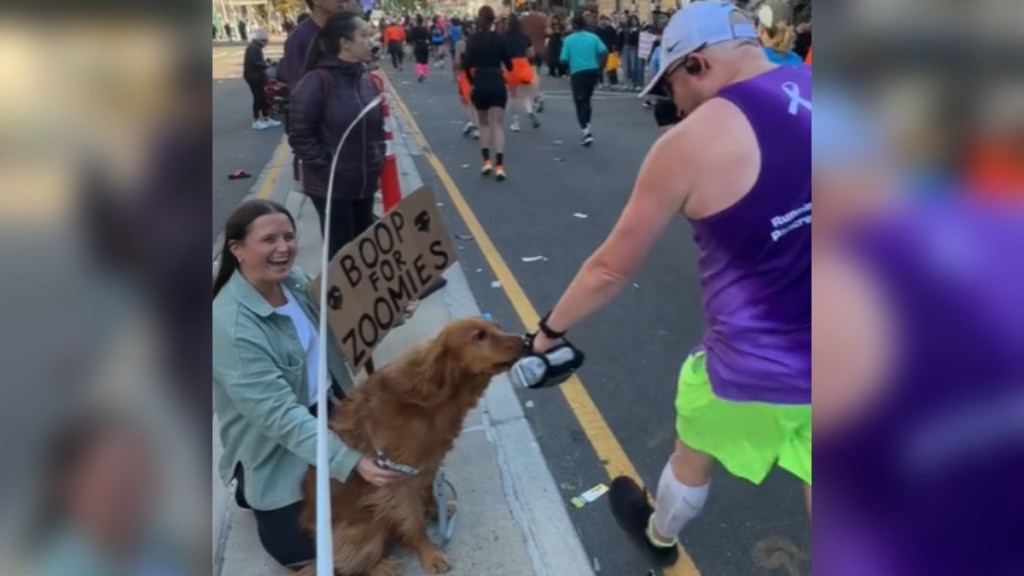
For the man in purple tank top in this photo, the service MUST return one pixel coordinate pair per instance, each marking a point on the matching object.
(738, 166)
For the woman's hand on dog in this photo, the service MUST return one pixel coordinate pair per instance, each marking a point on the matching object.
(374, 474)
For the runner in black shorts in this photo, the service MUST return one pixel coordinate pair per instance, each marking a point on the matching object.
(483, 60)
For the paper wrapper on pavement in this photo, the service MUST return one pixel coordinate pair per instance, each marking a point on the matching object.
(373, 278)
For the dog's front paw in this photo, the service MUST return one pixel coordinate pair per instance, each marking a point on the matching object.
(435, 562)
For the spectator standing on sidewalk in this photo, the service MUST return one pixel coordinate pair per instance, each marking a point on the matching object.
(243, 30)
(584, 54)
(556, 69)
(609, 35)
(254, 70)
(265, 379)
(325, 103)
(739, 168)
(630, 42)
(296, 47)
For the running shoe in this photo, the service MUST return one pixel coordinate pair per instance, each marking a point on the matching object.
(587, 139)
(260, 125)
(476, 133)
(499, 173)
(271, 122)
(486, 169)
(534, 121)
(469, 127)
(539, 104)
(515, 125)
(633, 513)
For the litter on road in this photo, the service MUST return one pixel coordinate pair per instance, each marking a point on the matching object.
(534, 258)
(589, 496)
(580, 215)
(495, 284)
(463, 236)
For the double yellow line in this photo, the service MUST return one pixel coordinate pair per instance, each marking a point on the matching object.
(600, 435)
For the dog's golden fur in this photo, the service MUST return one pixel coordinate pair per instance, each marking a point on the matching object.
(412, 411)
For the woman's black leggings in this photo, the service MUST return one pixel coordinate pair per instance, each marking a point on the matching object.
(279, 530)
(349, 219)
(583, 84)
(259, 100)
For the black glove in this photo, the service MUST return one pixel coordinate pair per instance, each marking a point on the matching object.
(545, 370)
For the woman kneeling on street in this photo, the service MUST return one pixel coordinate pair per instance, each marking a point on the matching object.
(265, 385)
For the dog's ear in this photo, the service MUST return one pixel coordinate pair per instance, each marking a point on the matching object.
(445, 369)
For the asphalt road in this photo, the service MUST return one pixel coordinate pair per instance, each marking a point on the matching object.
(235, 144)
(635, 345)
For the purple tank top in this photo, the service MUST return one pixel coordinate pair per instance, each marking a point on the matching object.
(755, 256)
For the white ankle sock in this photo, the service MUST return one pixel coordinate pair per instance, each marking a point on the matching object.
(676, 504)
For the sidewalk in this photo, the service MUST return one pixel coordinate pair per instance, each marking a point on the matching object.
(512, 520)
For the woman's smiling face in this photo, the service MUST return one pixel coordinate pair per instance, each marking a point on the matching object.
(267, 252)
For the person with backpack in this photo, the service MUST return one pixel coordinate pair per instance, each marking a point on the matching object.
(327, 100)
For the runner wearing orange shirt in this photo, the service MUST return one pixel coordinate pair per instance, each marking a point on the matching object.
(394, 40)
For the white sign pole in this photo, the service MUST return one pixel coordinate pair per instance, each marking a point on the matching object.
(324, 548)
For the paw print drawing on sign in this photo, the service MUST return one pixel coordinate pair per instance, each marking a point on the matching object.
(422, 222)
(334, 298)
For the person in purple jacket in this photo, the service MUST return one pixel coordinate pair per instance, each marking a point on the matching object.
(296, 46)
(738, 167)
(326, 101)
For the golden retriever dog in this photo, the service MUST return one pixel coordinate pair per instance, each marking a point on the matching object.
(412, 411)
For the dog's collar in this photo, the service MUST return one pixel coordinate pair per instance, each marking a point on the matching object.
(385, 463)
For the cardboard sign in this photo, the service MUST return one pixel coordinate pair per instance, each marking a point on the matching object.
(373, 278)
(646, 45)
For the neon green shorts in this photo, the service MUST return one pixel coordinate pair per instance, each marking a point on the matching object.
(746, 437)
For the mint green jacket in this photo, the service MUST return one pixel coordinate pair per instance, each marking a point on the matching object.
(259, 393)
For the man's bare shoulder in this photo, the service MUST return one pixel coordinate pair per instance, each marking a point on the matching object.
(716, 150)
(713, 121)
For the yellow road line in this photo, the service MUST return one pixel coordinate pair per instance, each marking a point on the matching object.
(276, 163)
(600, 435)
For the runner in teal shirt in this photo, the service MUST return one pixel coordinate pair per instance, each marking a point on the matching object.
(583, 50)
(585, 55)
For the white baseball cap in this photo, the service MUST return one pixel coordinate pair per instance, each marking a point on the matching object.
(699, 25)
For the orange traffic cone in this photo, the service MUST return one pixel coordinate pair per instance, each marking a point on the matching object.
(390, 189)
